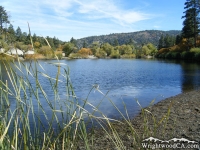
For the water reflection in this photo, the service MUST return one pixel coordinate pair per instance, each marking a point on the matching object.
(190, 76)
(124, 81)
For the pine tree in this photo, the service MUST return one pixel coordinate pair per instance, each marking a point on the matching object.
(3, 18)
(161, 42)
(18, 34)
(11, 34)
(191, 23)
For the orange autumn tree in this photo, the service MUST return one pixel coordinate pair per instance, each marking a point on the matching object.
(85, 51)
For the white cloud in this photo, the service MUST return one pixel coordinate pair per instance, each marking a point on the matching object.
(77, 18)
(109, 9)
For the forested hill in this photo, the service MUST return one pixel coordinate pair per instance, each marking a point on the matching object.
(139, 37)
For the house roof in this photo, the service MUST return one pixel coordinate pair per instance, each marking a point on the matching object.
(14, 51)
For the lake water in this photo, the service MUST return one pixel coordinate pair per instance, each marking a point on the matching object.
(125, 81)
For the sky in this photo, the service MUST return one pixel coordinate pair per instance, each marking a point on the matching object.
(65, 19)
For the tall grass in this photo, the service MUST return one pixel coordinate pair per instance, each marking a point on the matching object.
(26, 125)
(30, 119)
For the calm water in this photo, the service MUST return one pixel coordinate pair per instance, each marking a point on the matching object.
(125, 81)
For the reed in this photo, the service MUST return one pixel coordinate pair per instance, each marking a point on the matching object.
(31, 119)
(25, 123)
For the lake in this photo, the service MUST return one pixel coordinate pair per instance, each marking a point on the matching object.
(125, 81)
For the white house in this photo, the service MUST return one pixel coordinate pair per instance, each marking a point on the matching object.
(14, 51)
(30, 52)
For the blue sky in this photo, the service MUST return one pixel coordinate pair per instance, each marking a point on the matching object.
(81, 18)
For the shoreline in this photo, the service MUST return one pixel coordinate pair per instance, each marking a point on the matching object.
(183, 121)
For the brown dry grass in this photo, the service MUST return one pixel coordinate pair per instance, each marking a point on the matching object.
(34, 56)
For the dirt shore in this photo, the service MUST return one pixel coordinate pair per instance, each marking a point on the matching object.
(174, 117)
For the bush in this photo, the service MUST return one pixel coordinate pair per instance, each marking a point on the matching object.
(196, 50)
(176, 55)
(162, 55)
(197, 56)
(46, 51)
(128, 56)
(187, 55)
(115, 56)
(168, 55)
(59, 54)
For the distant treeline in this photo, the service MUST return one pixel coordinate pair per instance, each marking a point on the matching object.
(139, 38)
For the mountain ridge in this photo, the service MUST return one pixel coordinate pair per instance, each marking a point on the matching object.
(139, 37)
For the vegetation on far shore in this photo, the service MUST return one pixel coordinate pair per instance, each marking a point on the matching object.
(168, 44)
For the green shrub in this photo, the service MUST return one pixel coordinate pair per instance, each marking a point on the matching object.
(187, 55)
(46, 51)
(196, 50)
(115, 56)
(59, 56)
(162, 55)
(197, 56)
(168, 55)
(128, 56)
(176, 55)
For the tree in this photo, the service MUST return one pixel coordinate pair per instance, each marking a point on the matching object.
(18, 34)
(107, 48)
(85, 51)
(85, 44)
(27, 38)
(24, 36)
(34, 38)
(72, 40)
(3, 18)
(50, 41)
(192, 21)
(37, 44)
(152, 49)
(178, 39)
(95, 47)
(68, 48)
(56, 42)
(115, 42)
(145, 50)
(11, 34)
(130, 42)
(161, 42)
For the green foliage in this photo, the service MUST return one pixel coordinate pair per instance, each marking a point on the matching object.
(176, 55)
(197, 56)
(196, 50)
(166, 41)
(114, 54)
(145, 50)
(152, 49)
(115, 42)
(101, 53)
(68, 48)
(187, 55)
(132, 38)
(178, 39)
(85, 44)
(106, 47)
(59, 55)
(172, 55)
(3, 19)
(11, 34)
(95, 47)
(46, 51)
(125, 49)
(18, 34)
(3, 45)
(191, 23)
